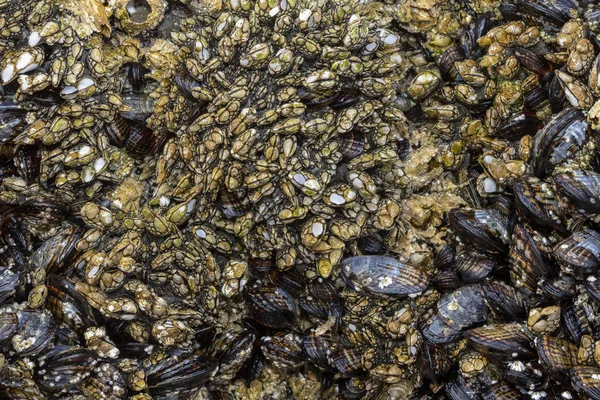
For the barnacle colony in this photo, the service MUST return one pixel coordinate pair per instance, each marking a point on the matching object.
(299, 199)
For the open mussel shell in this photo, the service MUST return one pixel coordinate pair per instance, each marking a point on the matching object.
(483, 230)
(179, 374)
(562, 137)
(271, 306)
(556, 355)
(580, 252)
(580, 189)
(64, 367)
(503, 340)
(383, 277)
(586, 379)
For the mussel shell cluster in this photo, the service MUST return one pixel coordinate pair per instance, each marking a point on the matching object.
(299, 199)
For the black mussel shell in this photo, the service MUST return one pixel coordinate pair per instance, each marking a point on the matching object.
(186, 83)
(576, 319)
(36, 330)
(477, 29)
(348, 361)
(556, 355)
(561, 138)
(345, 98)
(64, 366)
(55, 253)
(8, 282)
(231, 204)
(381, 276)
(504, 340)
(501, 391)
(518, 125)
(537, 203)
(459, 389)
(12, 117)
(105, 381)
(140, 104)
(351, 389)
(504, 301)
(253, 366)
(438, 331)
(292, 281)
(473, 268)
(8, 325)
(535, 101)
(142, 141)
(580, 252)
(580, 190)
(447, 63)
(318, 349)
(135, 74)
(557, 95)
(28, 159)
(560, 288)
(351, 144)
(435, 362)
(533, 62)
(179, 374)
(446, 281)
(370, 244)
(585, 379)
(592, 284)
(69, 305)
(445, 258)
(464, 307)
(118, 130)
(527, 265)
(284, 351)
(523, 375)
(483, 230)
(556, 12)
(271, 306)
(233, 359)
